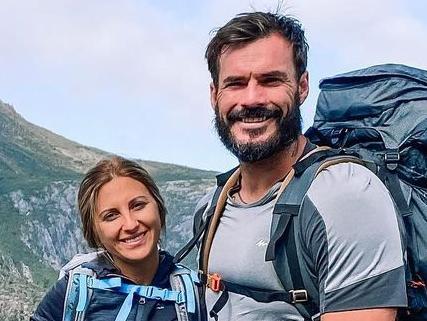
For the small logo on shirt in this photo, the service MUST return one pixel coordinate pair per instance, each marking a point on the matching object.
(261, 243)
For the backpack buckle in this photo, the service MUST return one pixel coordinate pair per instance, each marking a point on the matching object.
(391, 158)
(298, 296)
(214, 282)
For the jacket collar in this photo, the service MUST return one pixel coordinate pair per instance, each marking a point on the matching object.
(104, 267)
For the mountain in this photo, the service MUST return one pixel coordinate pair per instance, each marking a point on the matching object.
(40, 228)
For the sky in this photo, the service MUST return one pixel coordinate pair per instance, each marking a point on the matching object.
(130, 77)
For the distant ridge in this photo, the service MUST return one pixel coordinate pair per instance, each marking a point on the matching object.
(58, 152)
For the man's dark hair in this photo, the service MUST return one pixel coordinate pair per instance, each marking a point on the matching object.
(247, 27)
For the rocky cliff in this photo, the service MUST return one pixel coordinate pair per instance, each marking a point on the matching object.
(40, 228)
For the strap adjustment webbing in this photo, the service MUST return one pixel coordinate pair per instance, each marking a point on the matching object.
(116, 284)
(259, 295)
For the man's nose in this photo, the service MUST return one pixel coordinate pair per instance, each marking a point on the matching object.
(254, 95)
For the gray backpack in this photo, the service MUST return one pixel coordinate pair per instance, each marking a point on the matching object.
(379, 114)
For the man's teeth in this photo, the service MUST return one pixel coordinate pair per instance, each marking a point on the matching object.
(134, 239)
(254, 119)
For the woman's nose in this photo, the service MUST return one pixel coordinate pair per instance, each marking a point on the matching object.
(130, 223)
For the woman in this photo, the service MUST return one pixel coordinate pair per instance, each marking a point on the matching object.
(122, 214)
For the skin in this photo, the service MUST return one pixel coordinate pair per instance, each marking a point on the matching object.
(126, 211)
(262, 73)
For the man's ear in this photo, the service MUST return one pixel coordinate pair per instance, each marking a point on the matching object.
(214, 92)
(303, 86)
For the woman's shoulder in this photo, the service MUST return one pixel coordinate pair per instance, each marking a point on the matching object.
(52, 305)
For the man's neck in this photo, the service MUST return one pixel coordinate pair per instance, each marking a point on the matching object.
(257, 178)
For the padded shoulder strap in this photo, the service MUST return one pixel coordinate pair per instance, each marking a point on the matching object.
(290, 199)
(216, 213)
(283, 232)
(78, 294)
(186, 281)
(77, 261)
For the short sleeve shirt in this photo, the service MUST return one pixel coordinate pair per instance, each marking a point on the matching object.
(350, 242)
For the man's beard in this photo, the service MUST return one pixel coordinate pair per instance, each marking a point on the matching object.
(288, 130)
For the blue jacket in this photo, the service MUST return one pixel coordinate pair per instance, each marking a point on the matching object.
(104, 306)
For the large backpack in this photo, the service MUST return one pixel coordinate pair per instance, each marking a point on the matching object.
(82, 281)
(376, 117)
(380, 113)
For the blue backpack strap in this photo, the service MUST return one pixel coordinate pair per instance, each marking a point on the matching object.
(150, 292)
(186, 281)
(82, 281)
(77, 294)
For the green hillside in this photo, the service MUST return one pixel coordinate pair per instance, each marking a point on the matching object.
(39, 175)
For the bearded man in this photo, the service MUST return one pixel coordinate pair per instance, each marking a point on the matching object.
(259, 81)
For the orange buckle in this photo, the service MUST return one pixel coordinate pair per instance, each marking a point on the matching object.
(214, 282)
(417, 284)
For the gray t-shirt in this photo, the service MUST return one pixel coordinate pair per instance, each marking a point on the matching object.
(349, 239)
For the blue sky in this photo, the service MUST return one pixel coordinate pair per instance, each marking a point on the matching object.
(129, 76)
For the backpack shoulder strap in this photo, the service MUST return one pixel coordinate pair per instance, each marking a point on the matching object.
(202, 218)
(283, 237)
(216, 213)
(77, 294)
(186, 281)
(77, 261)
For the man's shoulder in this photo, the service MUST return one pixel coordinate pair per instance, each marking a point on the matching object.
(349, 228)
(346, 182)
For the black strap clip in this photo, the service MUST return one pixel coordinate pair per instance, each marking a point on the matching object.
(298, 296)
(391, 159)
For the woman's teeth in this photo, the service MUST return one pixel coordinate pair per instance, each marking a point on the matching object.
(134, 239)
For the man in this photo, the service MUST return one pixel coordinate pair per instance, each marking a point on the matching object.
(347, 230)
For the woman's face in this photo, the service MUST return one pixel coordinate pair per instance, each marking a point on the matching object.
(127, 221)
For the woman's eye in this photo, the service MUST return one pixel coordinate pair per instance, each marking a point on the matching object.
(139, 205)
(109, 216)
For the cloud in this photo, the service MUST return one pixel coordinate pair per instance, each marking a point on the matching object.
(132, 47)
(361, 33)
(134, 71)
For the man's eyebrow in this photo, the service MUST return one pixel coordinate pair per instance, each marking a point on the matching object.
(275, 73)
(233, 79)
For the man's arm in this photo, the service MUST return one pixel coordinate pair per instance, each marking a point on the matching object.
(387, 314)
(353, 240)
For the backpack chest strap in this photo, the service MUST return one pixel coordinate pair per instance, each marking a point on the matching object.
(115, 284)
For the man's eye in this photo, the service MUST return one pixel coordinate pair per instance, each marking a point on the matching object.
(272, 81)
(234, 84)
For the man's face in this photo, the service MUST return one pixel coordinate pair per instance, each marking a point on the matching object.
(257, 99)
